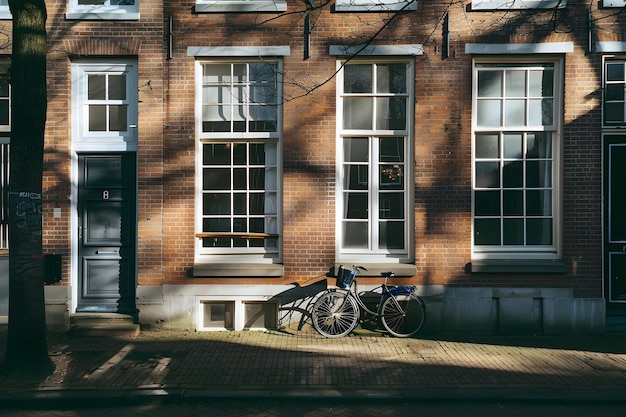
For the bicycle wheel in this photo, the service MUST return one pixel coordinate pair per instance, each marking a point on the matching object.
(335, 314)
(403, 314)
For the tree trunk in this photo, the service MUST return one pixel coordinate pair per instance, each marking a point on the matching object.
(27, 351)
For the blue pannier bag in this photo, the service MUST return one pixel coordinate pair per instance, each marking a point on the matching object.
(401, 289)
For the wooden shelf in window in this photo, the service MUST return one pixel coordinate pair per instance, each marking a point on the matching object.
(215, 235)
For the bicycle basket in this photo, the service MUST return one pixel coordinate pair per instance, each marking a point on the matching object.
(344, 278)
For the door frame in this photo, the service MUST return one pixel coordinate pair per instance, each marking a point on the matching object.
(74, 221)
(612, 307)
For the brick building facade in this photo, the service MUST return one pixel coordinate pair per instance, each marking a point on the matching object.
(470, 147)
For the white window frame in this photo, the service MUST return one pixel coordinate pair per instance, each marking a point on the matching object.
(613, 3)
(502, 251)
(5, 64)
(375, 5)
(606, 60)
(114, 140)
(372, 254)
(252, 6)
(504, 5)
(271, 251)
(107, 11)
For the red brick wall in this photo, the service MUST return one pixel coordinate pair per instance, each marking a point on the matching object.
(442, 134)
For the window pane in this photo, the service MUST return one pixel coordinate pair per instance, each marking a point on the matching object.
(513, 174)
(515, 85)
(538, 174)
(216, 154)
(216, 204)
(240, 179)
(355, 177)
(391, 78)
(216, 179)
(487, 146)
(614, 92)
(487, 231)
(391, 149)
(392, 177)
(357, 113)
(615, 71)
(541, 83)
(538, 203)
(355, 235)
(513, 204)
(539, 232)
(391, 206)
(512, 145)
(357, 78)
(539, 145)
(541, 112)
(489, 84)
(262, 73)
(487, 203)
(391, 113)
(257, 153)
(487, 174)
(356, 149)
(257, 203)
(118, 118)
(614, 112)
(489, 112)
(216, 224)
(513, 231)
(4, 112)
(391, 235)
(117, 87)
(355, 206)
(240, 204)
(257, 178)
(216, 73)
(97, 118)
(96, 87)
(515, 113)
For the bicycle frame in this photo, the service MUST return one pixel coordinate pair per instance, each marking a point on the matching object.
(385, 292)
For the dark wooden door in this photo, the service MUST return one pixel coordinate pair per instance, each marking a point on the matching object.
(107, 233)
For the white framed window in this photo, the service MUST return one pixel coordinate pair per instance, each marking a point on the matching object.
(614, 93)
(517, 113)
(239, 127)
(225, 6)
(104, 102)
(5, 13)
(375, 5)
(517, 4)
(103, 10)
(613, 3)
(374, 149)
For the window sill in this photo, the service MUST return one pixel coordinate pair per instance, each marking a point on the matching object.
(241, 7)
(369, 6)
(227, 270)
(375, 269)
(516, 266)
(101, 16)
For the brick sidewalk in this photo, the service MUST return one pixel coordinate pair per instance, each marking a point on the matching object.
(276, 364)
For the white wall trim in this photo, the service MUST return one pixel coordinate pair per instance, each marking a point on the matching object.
(343, 50)
(519, 48)
(238, 51)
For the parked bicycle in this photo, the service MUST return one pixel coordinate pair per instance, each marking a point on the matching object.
(337, 312)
